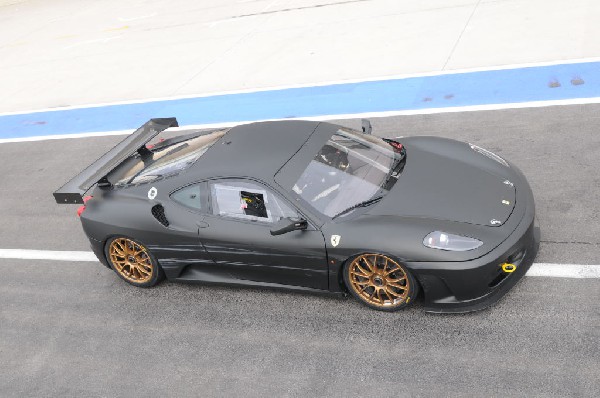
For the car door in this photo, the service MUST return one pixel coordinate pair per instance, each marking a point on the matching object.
(172, 233)
(236, 233)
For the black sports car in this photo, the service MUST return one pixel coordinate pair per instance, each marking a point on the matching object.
(311, 206)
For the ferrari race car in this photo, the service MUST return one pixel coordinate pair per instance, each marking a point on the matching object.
(311, 206)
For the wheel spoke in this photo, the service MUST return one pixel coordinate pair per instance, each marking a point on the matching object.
(394, 269)
(146, 268)
(125, 247)
(360, 275)
(126, 269)
(392, 284)
(142, 270)
(368, 273)
(391, 294)
(362, 283)
(119, 251)
(398, 279)
(371, 266)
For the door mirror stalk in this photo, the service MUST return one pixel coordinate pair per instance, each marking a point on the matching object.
(286, 225)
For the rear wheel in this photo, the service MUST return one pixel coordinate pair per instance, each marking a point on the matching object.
(133, 262)
(380, 282)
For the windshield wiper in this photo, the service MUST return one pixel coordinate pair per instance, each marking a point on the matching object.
(356, 206)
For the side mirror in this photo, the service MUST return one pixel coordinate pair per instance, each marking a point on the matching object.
(286, 225)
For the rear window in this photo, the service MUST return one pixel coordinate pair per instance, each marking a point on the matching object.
(169, 158)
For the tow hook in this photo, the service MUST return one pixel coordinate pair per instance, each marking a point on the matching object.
(508, 267)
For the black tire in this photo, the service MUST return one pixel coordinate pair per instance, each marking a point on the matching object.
(380, 282)
(133, 262)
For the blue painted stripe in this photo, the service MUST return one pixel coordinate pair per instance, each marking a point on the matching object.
(540, 83)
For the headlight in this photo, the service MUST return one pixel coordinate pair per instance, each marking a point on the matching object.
(445, 241)
(489, 154)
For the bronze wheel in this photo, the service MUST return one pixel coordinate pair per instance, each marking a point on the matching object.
(379, 281)
(133, 262)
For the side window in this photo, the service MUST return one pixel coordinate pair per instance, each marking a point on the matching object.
(248, 201)
(188, 196)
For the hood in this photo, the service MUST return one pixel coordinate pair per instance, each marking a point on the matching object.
(447, 180)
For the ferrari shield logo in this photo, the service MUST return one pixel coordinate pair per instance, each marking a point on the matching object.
(335, 240)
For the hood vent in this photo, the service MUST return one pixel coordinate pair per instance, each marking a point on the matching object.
(159, 213)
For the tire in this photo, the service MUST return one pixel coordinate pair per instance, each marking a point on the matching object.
(133, 262)
(380, 282)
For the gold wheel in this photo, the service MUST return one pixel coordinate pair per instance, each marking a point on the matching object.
(131, 260)
(379, 281)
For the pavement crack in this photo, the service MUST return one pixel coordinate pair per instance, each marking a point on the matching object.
(299, 8)
(461, 35)
(574, 242)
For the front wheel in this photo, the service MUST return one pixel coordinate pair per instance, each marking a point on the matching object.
(133, 262)
(380, 282)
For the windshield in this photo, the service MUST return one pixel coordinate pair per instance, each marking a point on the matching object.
(350, 168)
(169, 159)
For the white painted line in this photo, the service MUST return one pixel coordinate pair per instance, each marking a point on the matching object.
(317, 84)
(427, 111)
(564, 270)
(65, 136)
(537, 269)
(47, 255)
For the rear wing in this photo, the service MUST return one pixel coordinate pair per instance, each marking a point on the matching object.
(73, 191)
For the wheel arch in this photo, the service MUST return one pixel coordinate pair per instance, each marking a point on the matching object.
(105, 241)
(339, 270)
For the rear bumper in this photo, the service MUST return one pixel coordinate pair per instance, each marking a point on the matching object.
(98, 249)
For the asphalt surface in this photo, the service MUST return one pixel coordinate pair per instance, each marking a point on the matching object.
(74, 329)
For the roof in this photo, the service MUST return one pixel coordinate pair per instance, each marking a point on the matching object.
(258, 150)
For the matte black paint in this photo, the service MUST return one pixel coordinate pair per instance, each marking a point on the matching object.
(445, 186)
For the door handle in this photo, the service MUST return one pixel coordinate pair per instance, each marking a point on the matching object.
(202, 224)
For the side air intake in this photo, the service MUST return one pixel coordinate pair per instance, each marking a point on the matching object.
(159, 213)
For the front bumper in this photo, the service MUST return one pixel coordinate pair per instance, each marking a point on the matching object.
(484, 283)
(456, 287)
